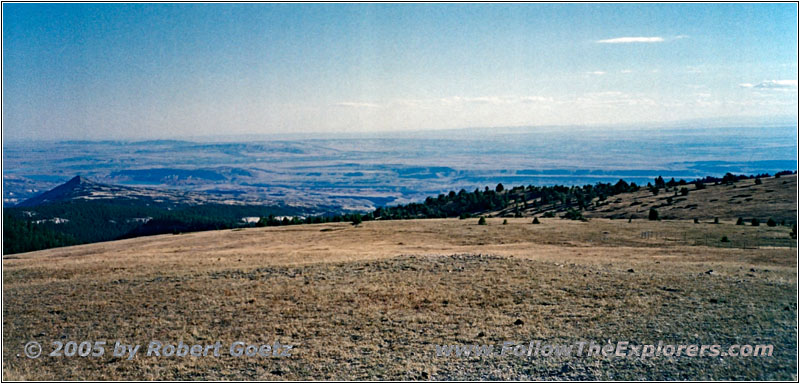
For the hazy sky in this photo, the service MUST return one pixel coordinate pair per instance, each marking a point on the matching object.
(171, 70)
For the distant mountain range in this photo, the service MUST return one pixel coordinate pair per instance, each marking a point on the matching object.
(81, 188)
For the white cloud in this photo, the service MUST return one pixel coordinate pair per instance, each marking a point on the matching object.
(598, 73)
(488, 100)
(626, 71)
(535, 99)
(612, 98)
(694, 69)
(773, 84)
(627, 40)
(351, 104)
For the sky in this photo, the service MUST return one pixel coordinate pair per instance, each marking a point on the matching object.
(130, 71)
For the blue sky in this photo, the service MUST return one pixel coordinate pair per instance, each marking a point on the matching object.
(173, 70)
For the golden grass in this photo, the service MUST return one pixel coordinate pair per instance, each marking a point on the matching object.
(369, 302)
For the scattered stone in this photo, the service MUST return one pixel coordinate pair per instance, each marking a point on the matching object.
(631, 270)
(519, 322)
(713, 301)
(481, 334)
(710, 272)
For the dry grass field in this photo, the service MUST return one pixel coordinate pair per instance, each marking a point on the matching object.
(370, 302)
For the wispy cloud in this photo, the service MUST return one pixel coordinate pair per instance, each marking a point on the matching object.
(612, 98)
(352, 104)
(596, 73)
(628, 40)
(772, 84)
(694, 69)
(493, 100)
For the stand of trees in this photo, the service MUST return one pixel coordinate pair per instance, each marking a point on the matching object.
(25, 236)
(33, 228)
(464, 204)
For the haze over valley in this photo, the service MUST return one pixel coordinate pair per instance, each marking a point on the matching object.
(362, 172)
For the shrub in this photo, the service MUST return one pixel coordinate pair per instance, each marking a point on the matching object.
(755, 222)
(482, 221)
(505, 221)
(698, 186)
(794, 231)
(573, 214)
(724, 239)
(771, 223)
(499, 188)
(684, 191)
(356, 219)
(653, 215)
(549, 214)
(740, 221)
(464, 215)
(758, 181)
(716, 220)
(535, 220)
(696, 221)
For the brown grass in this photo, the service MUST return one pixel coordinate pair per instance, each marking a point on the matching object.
(369, 302)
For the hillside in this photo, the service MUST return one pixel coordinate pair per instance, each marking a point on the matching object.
(769, 197)
(81, 211)
(774, 198)
(370, 302)
(82, 189)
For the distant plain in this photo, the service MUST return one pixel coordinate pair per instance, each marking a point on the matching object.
(361, 172)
